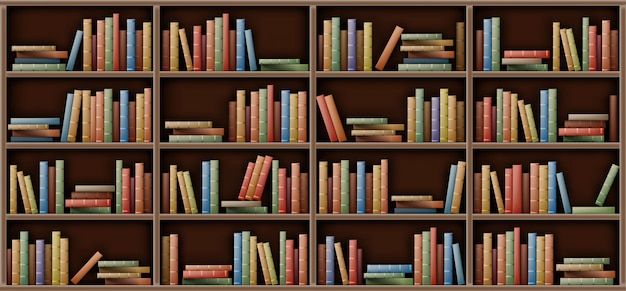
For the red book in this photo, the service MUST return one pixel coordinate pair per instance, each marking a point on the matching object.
(128, 281)
(352, 261)
(329, 200)
(589, 274)
(508, 190)
(586, 123)
(295, 187)
(282, 190)
(479, 50)
(165, 193)
(116, 41)
(210, 45)
(116, 121)
(296, 258)
(270, 113)
(46, 54)
(51, 190)
(289, 262)
(246, 181)
(254, 116)
(225, 42)
(126, 190)
(580, 131)
(544, 54)
(87, 203)
(91, 195)
(303, 259)
(209, 267)
(517, 256)
(288, 197)
(99, 45)
(139, 191)
(203, 53)
(197, 48)
(265, 170)
(433, 255)
(352, 193)
(517, 188)
(197, 274)
(328, 122)
(592, 47)
(37, 132)
(487, 119)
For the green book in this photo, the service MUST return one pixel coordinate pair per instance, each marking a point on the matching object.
(552, 114)
(215, 187)
(421, 36)
(593, 209)
(335, 43)
(219, 65)
(119, 164)
(606, 186)
(367, 45)
(527, 67)
(245, 257)
(585, 43)
(419, 114)
(37, 67)
(389, 281)
(275, 166)
(366, 120)
(586, 281)
(584, 138)
(285, 67)
(599, 260)
(208, 281)
(59, 186)
(90, 210)
(117, 263)
(278, 61)
(499, 115)
(31, 195)
(247, 210)
(572, 48)
(282, 258)
(345, 187)
(270, 263)
(23, 257)
(443, 115)
(263, 114)
(424, 67)
(509, 258)
(425, 257)
(56, 257)
(190, 193)
(495, 44)
(195, 138)
(382, 275)
(108, 44)
(531, 123)
(108, 114)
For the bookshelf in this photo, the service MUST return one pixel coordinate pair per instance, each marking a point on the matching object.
(292, 29)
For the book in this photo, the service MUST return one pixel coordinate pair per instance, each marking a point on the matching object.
(606, 186)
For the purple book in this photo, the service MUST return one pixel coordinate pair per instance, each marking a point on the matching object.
(39, 261)
(329, 207)
(288, 194)
(434, 119)
(203, 53)
(351, 44)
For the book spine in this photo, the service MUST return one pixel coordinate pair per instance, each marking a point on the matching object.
(517, 188)
(556, 47)
(443, 115)
(367, 45)
(573, 49)
(566, 49)
(485, 189)
(426, 262)
(56, 257)
(543, 189)
(606, 186)
(342, 264)
(173, 259)
(285, 115)
(43, 187)
(295, 188)
(352, 45)
(606, 45)
(241, 44)
(447, 259)
(293, 117)
(335, 43)
(131, 41)
(302, 116)
(330, 260)
(250, 49)
(60, 186)
(543, 115)
(487, 43)
(393, 40)
(87, 35)
(495, 43)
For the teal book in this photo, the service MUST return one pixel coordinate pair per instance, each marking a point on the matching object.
(215, 187)
(366, 120)
(345, 187)
(593, 209)
(117, 263)
(388, 281)
(606, 186)
(250, 50)
(335, 43)
(208, 281)
(108, 115)
(78, 38)
(65, 129)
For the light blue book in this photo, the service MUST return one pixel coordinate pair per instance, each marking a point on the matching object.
(124, 115)
(487, 44)
(532, 258)
(30, 139)
(206, 187)
(552, 180)
(284, 115)
(458, 264)
(78, 38)
(414, 210)
(543, 116)
(360, 187)
(241, 44)
(389, 268)
(450, 191)
(43, 187)
(66, 117)
(434, 123)
(351, 44)
(237, 279)
(35, 120)
(567, 208)
(447, 259)
(130, 44)
(424, 61)
(250, 48)
(330, 260)
(38, 61)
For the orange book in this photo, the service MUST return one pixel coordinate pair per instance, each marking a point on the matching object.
(139, 187)
(433, 255)
(384, 186)
(302, 116)
(501, 260)
(417, 259)
(389, 47)
(336, 194)
(328, 122)
(173, 259)
(37, 132)
(379, 138)
(352, 261)
(265, 172)
(197, 48)
(86, 267)
(246, 181)
(303, 259)
(295, 187)
(226, 42)
(125, 190)
(147, 111)
(336, 119)
(517, 189)
(289, 257)
(581, 131)
(100, 116)
(254, 116)
(210, 45)
(282, 190)
(99, 45)
(254, 180)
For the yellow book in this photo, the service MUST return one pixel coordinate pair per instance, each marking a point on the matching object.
(514, 111)
(443, 115)
(410, 120)
(541, 252)
(25, 200)
(185, 45)
(497, 191)
(183, 191)
(56, 257)
(543, 189)
(139, 116)
(367, 46)
(302, 116)
(253, 260)
(293, 117)
(13, 189)
(452, 118)
(173, 186)
(147, 46)
(258, 165)
(323, 187)
(64, 258)
(327, 45)
(87, 44)
(342, 264)
(487, 259)
(376, 190)
(86, 125)
(74, 114)
(241, 116)
(458, 187)
(173, 46)
(556, 47)
(485, 189)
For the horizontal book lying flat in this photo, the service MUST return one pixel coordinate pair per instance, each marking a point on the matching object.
(582, 116)
(586, 281)
(35, 120)
(388, 281)
(414, 210)
(195, 138)
(602, 260)
(285, 67)
(208, 281)
(128, 281)
(278, 61)
(33, 48)
(527, 67)
(247, 210)
(593, 209)
(366, 120)
(520, 61)
(94, 188)
(420, 204)
(424, 67)
(188, 124)
(411, 197)
(38, 67)
(239, 203)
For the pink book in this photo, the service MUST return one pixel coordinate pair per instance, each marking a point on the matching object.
(270, 113)
(138, 50)
(132, 121)
(303, 259)
(51, 189)
(173, 259)
(487, 119)
(433, 255)
(302, 116)
(352, 261)
(165, 193)
(352, 193)
(581, 131)
(549, 259)
(197, 274)
(116, 121)
(321, 104)
(246, 181)
(123, 50)
(282, 190)
(517, 256)
(304, 192)
(197, 48)
(147, 114)
(289, 276)
(99, 116)
(254, 116)
(126, 190)
(336, 188)
(100, 45)
(265, 172)
(225, 41)
(210, 45)
(295, 187)
(592, 47)
(116, 41)
(139, 191)
(534, 188)
(87, 202)
(147, 192)
(165, 50)
(508, 190)
(517, 188)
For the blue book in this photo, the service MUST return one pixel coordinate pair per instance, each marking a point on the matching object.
(237, 279)
(241, 44)
(206, 187)
(532, 258)
(414, 210)
(543, 116)
(74, 52)
(30, 139)
(284, 115)
(123, 115)
(450, 191)
(458, 264)
(360, 187)
(251, 53)
(43, 187)
(130, 44)
(447, 259)
(552, 187)
(36, 120)
(330, 260)
(39, 261)
(351, 44)
(424, 61)
(434, 123)
(37, 61)
(487, 44)
(389, 268)
(567, 208)
(66, 117)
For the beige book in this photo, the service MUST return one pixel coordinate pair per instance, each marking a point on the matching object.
(566, 49)
(27, 126)
(185, 45)
(487, 259)
(323, 187)
(174, 46)
(241, 116)
(264, 268)
(64, 272)
(327, 29)
(556, 48)
(543, 189)
(188, 124)
(253, 260)
(24, 192)
(342, 264)
(183, 191)
(485, 189)
(13, 184)
(173, 186)
(87, 28)
(522, 116)
(74, 114)
(451, 118)
(458, 187)
(497, 191)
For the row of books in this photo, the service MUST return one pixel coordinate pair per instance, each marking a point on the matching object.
(38, 263)
(439, 120)
(435, 263)
(176, 180)
(348, 49)
(534, 192)
(426, 51)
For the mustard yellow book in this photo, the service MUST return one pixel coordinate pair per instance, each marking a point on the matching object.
(566, 49)
(367, 46)
(556, 47)
(531, 123)
(31, 195)
(524, 119)
(241, 115)
(264, 268)
(443, 115)
(173, 187)
(452, 118)
(64, 272)
(87, 44)
(56, 257)
(485, 189)
(458, 187)
(293, 117)
(543, 189)
(410, 120)
(139, 117)
(13, 189)
(147, 46)
(253, 260)
(487, 259)
(497, 191)
(376, 189)
(342, 264)
(86, 124)
(327, 33)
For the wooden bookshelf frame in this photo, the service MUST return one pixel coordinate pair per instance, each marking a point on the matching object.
(317, 145)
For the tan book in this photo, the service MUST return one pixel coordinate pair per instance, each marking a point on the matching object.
(33, 48)
(86, 117)
(543, 189)
(264, 267)
(485, 189)
(13, 185)
(556, 48)
(566, 49)
(15, 262)
(384, 186)
(323, 187)
(139, 117)
(185, 46)
(334, 114)
(86, 268)
(74, 115)
(173, 259)
(389, 47)
(541, 256)
(371, 132)
(497, 191)
(141, 270)
(327, 32)
(173, 192)
(24, 192)
(117, 275)
(302, 116)
(487, 259)
(376, 189)
(241, 116)
(165, 260)
(303, 259)
(410, 121)
(451, 118)
(254, 179)
(458, 187)
(293, 117)
(345, 280)
(188, 124)
(253, 260)
(460, 46)
(579, 267)
(411, 197)
(429, 42)
(28, 126)
(520, 61)
(174, 46)
(147, 114)
(183, 191)
(94, 188)
(549, 259)
(522, 115)
(87, 44)
(147, 46)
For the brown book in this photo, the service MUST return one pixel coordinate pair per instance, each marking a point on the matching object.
(352, 193)
(321, 264)
(147, 196)
(439, 264)
(614, 50)
(589, 274)
(123, 47)
(389, 47)
(51, 189)
(369, 192)
(589, 123)
(613, 118)
(44, 54)
(460, 121)
(343, 41)
(165, 258)
(359, 49)
(525, 192)
(165, 193)
(379, 138)
(478, 51)
(233, 50)
(165, 50)
(9, 255)
(116, 121)
(138, 50)
(173, 259)
(304, 192)
(37, 132)
(128, 281)
(549, 259)
(460, 46)
(199, 131)
(320, 52)
(91, 195)
(276, 121)
(232, 121)
(420, 204)
(432, 54)
(31, 264)
(132, 120)
(524, 264)
(479, 121)
(86, 267)
(477, 193)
